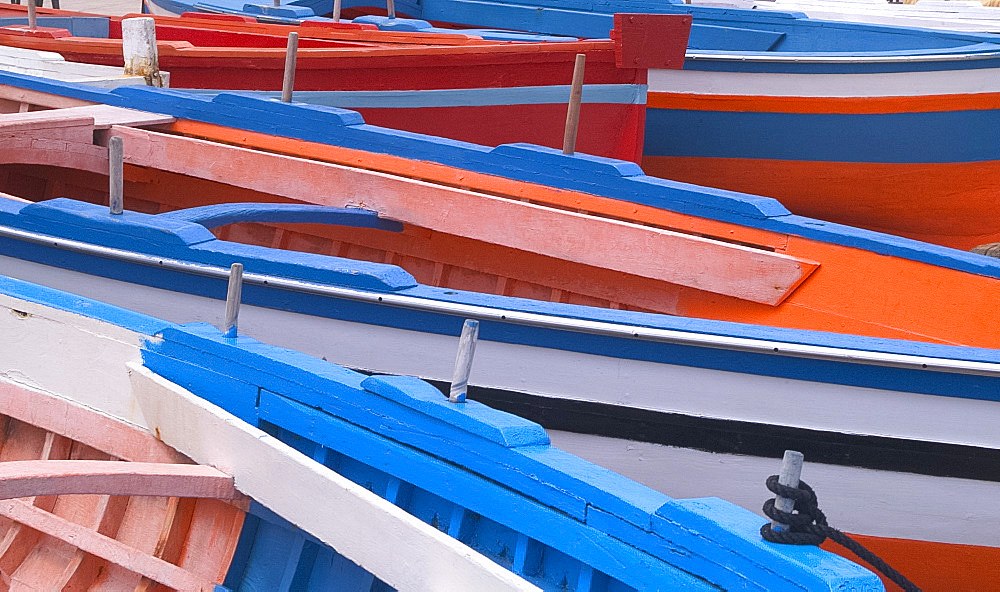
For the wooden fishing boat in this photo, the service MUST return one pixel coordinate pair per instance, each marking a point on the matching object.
(630, 387)
(462, 497)
(799, 273)
(879, 127)
(566, 377)
(488, 92)
(90, 502)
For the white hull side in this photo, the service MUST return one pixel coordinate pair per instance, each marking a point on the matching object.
(569, 375)
(860, 501)
(99, 365)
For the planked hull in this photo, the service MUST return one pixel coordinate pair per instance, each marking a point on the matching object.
(563, 371)
(58, 539)
(464, 497)
(489, 93)
(445, 242)
(891, 496)
(804, 97)
(879, 146)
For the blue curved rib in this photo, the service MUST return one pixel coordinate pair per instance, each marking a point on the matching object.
(217, 215)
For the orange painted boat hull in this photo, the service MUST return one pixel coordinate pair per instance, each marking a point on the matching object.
(854, 290)
(936, 203)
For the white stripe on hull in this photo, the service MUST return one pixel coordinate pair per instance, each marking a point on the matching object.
(861, 501)
(890, 84)
(581, 377)
(85, 361)
(99, 365)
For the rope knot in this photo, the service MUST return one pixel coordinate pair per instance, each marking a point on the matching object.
(807, 526)
(805, 520)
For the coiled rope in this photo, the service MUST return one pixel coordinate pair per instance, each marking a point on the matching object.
(807, 526)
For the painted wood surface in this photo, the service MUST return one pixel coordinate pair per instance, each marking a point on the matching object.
(53, 65)
(64, 477)
(488, 71)
(103, 117)
(289, 484)
(87, 540)
(868, 179)
(53, 450)
(820, 303)
(681, 259)
(623, 509)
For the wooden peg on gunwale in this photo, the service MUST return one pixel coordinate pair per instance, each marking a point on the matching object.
(573, 111)
(791, 472)
(116, 173)
(291, 55)
(32, 15)
(463, 361)
(234, 295)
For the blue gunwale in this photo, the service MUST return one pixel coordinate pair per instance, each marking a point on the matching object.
(172, 237)
(524, 162)
(486, 477)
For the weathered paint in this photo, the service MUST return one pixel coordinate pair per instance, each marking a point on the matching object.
(53, 65)
(613, 128)
(290, 484)
(94, 543)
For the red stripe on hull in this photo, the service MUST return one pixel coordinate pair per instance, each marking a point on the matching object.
(848, 105)
(606, 129)
(952, 204)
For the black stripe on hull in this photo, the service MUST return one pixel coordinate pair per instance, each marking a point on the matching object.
(744, 438)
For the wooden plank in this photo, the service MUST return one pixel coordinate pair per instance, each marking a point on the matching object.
(64, 477)
(270, 472)
(39, 98)
(103, 116)
(719, 267)
(104, 547)
(55, 414)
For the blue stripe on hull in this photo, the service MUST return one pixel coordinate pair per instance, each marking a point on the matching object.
(937, 137)
(625, 94)
(988, 58)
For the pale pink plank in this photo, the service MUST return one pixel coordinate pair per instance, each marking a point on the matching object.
(211, 539)
(38, 98)
(64, 477)
(99, 116)
(139, 529)
(747, 273)
(104, 547)
(43, 120)
(58, 415)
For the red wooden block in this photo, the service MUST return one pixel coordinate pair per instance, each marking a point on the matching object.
(651, 40)
(43, 32)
